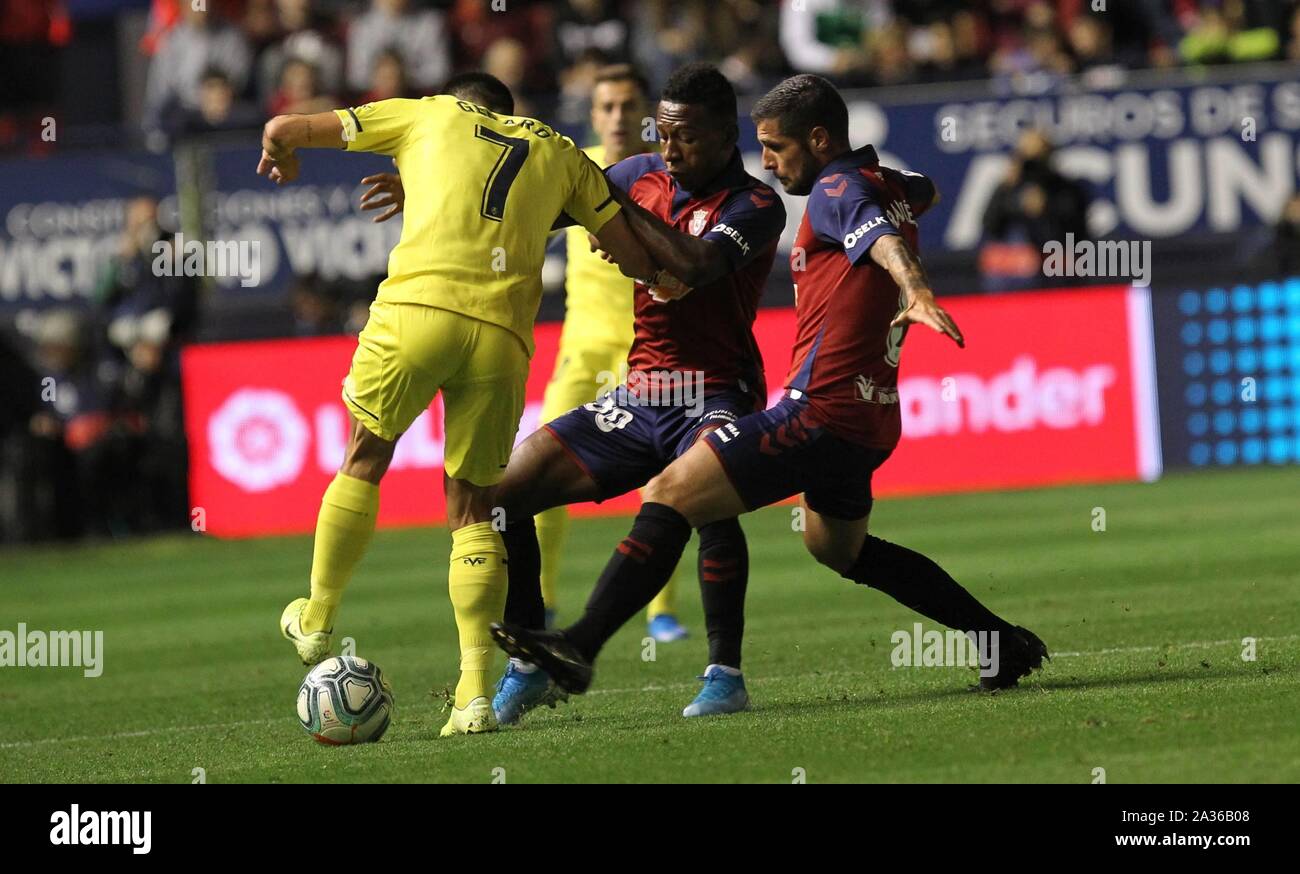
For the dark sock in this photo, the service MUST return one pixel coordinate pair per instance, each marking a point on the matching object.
(917, 582)
(724, 575)
(524, 605)
(639, 568)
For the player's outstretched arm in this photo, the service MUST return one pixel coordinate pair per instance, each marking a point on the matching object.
(891, 253)
(694, 261)
(284, 134)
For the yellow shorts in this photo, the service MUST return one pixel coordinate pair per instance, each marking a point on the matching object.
(582, 374)
(407, 353)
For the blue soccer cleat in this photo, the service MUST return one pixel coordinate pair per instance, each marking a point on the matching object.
(723, 692)
(665, 628)
(518, 692)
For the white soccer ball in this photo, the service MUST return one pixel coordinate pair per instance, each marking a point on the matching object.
(345, 700)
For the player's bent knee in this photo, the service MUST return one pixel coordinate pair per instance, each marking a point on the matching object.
(830, 552)
(667, 488)
(470, 504)
(368, 455)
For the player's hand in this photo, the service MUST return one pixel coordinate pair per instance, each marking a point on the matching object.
(385, 191)
(278, 170)
(923, 310)
(665, 287)
(595, 247)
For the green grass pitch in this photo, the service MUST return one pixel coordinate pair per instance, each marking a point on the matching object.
(1145, 619)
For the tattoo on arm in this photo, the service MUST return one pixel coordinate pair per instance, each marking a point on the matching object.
(309, 130)
(891, 253)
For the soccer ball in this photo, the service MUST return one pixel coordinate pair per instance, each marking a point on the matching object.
(345, 700)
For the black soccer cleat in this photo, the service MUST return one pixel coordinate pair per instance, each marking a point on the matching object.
(549, 650)
(1017, 658)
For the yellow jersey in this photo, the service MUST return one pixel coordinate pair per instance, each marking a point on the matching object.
(482, 193)
(598, 304)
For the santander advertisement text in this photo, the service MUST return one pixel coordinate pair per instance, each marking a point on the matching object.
(1053, 387)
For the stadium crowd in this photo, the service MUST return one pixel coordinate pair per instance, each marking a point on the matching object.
(231, 63)
(91, 430)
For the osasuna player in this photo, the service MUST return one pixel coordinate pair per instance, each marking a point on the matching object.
(454, 316)
(858, 289)
(694, 366)
(598, 317)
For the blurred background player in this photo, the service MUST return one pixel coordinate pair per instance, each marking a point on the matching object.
(860, 287)
(454, 316)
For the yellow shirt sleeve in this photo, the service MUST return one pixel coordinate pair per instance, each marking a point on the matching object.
(590, 203)
(378, 127)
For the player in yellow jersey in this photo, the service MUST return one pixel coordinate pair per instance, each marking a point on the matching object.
(598, 319)
(455, 315)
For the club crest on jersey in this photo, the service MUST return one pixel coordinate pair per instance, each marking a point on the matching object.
(699, 219)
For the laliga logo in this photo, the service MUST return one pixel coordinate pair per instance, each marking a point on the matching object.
(258, 439)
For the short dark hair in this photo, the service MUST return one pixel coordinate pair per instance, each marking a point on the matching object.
(703, 84)
(482, 88)
(623, 73)
(210, 73)
(802, 103)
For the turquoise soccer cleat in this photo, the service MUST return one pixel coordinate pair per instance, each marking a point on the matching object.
(723, 693)
(665, 628)
(518, 692)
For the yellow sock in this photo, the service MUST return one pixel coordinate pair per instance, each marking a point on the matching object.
(666, 600)
(552, 531)
(477, 584)
(343, 530)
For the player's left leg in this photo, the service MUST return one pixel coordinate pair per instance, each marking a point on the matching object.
(723, 568)
(836, 534)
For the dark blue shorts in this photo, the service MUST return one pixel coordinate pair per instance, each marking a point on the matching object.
(623, 444)
(776, 453)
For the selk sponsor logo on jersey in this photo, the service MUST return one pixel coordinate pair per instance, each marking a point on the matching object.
(723, 228)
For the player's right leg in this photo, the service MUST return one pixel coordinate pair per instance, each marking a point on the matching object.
(343, 530)
(373, 392)
(483, 399)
